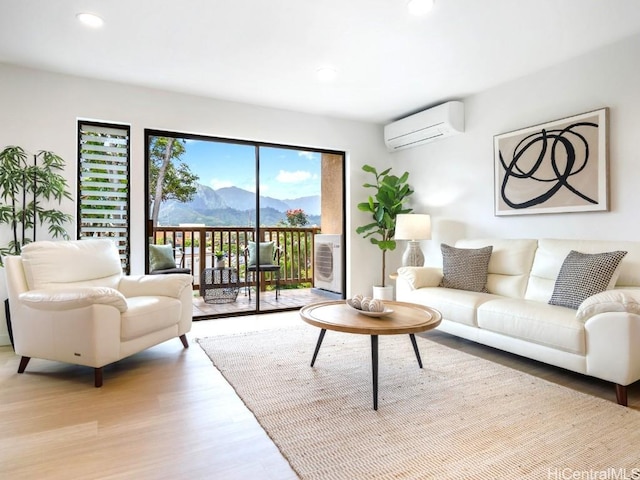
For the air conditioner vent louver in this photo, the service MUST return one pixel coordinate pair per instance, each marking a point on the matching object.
(324, 262)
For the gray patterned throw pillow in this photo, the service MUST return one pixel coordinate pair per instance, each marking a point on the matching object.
(465, 268)
(583, 275)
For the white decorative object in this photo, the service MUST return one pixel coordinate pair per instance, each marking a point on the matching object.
(357, 301)
(376, 305)
(386, 310)
(364, 304)
(413, 227)
(383, 293)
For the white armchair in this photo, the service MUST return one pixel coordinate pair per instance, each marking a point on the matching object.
(70, 302)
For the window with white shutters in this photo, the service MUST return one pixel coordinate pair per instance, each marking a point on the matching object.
(103, 184)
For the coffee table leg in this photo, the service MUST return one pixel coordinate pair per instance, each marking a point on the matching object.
(415, 348)
(374, 369)
(320, 338)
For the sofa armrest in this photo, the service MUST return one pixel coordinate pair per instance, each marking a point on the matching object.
(72, 298)
(609, 301)
(418, 277)
(149, 285)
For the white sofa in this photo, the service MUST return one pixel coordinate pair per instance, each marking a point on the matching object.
(601, 338)
(71, 302)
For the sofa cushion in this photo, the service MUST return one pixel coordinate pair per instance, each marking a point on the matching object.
(148, 314)
(456, 305)
(51, 264)
(533, 321)
(583, 275)
(551, 253)
(509, 265)
(465, 268)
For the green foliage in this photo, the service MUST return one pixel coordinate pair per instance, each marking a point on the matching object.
(178, 181)
(297, 218)
(391, 193)
(169, 177)
(23, 189)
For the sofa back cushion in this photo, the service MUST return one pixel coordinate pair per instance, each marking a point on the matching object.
(509, 266)
(552, 253)
(91, 262)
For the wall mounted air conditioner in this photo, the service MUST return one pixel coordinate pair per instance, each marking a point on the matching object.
(327, 266)
(426, 126)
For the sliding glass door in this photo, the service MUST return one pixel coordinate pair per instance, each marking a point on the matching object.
(242, 217)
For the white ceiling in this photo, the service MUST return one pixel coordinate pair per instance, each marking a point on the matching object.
(267, 52)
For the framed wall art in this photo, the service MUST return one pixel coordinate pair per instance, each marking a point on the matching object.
(557, 167)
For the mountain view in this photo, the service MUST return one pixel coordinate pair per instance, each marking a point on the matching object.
(234, 206)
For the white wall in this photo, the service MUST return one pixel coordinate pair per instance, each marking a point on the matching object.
(454, 176)
(40, 111)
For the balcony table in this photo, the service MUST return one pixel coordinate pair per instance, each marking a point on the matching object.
(219, 285)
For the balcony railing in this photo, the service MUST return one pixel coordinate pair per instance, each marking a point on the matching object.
(196, 246)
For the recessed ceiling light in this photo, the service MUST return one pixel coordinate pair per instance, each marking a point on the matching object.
(420, 7)
(90, 19)
(326, 74)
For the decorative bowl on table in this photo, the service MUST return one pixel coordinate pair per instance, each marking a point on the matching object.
(368, 306)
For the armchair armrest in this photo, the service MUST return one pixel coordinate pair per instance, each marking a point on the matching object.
(609, 301)
(418, 277)
(72, 298)
(149, 285)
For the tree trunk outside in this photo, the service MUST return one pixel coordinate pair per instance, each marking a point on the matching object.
(168, 152)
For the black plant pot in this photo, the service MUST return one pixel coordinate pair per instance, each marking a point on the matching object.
(7, 314)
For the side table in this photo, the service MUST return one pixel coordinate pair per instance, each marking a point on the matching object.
(219, 285)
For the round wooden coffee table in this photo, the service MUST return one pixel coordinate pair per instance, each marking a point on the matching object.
(407, 318)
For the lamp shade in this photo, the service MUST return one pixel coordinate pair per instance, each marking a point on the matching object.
(413, 226)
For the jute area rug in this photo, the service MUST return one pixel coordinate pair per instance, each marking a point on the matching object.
(458, 417)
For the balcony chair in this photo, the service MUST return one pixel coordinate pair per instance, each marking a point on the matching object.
(70, 302)
(269, 255)
(162, 260)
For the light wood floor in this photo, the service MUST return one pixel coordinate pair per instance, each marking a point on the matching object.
(166, 413)
(288, 299)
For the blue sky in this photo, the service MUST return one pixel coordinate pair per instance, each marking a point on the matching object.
(284, 173)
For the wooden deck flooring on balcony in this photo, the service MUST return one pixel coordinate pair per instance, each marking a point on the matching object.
(288, 299)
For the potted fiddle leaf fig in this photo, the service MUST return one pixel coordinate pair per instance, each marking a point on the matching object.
(387, 201)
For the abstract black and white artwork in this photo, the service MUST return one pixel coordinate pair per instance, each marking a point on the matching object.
(557, 167)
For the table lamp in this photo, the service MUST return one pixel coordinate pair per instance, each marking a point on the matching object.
(413, 227)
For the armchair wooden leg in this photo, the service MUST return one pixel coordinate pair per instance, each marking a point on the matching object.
(98, 377)
(183, 339)
(621, 395)
(23, 364)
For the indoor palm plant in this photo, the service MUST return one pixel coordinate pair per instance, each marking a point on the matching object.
(384, 205)
(26, 189)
